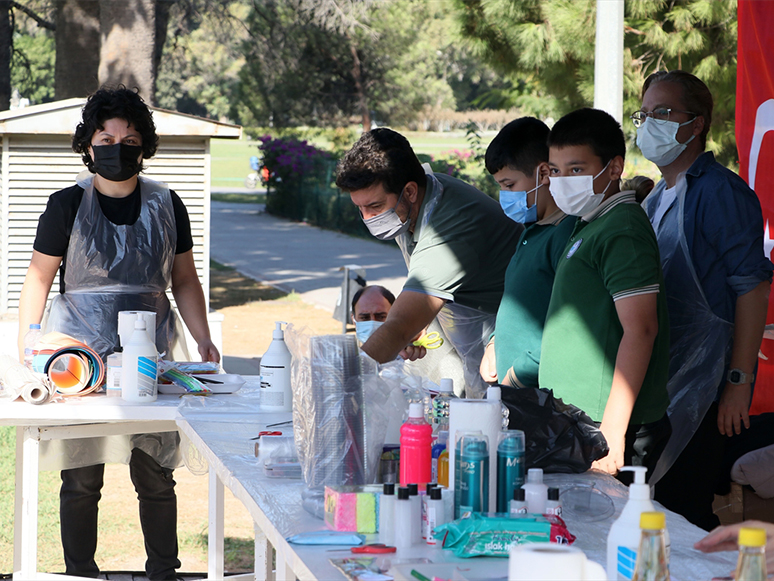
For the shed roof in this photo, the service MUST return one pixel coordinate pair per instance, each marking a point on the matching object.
(61, 118)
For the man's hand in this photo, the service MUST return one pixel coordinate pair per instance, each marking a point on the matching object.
(208, 351)
(615, 457)
(734, 409)
(413, 352)
(488, 368)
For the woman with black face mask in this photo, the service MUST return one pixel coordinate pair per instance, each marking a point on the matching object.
(119, 241)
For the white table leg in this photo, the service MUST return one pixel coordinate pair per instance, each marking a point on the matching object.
(215, 543)
(25, 545)
(263, 557)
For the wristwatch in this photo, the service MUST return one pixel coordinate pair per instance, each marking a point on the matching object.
(739, 377)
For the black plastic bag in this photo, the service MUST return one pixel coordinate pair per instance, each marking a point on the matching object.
(559, 437)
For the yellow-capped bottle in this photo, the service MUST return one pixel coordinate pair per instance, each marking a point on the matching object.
(443, 468)
(751, 565)
(652, 562)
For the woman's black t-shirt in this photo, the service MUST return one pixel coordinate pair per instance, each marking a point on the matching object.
(56, 223)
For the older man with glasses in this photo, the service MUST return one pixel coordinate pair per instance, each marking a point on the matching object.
(709, 227)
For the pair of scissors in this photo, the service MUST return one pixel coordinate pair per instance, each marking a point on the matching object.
(430, 341)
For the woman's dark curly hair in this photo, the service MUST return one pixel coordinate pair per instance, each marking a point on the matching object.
(114, 103)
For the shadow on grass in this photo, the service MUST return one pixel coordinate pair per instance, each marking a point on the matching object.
(240, 198)
(229, 288)
(238, 553)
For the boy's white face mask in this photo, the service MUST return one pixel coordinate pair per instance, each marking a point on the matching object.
(364, 329)
(574, 195)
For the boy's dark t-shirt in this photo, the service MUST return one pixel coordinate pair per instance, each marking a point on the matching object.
(56, 223)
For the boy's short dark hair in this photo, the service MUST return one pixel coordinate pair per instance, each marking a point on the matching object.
(381, 156)
(114, 103)
(521, 145)
(592, 127)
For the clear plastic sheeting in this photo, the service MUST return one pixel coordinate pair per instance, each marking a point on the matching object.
(18, 381)
(699, 341)
(338, 410)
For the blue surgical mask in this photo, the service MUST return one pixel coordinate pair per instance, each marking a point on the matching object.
(514, 205)
(364, 329)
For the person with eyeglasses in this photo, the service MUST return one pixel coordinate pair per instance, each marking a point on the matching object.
(709, 227)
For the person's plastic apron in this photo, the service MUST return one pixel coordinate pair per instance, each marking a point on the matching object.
(700, 341)
(112, 268)
(466, 328)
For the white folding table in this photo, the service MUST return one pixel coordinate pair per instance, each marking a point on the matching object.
(84, 417)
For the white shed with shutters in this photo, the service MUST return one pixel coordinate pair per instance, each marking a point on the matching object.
(37, 160)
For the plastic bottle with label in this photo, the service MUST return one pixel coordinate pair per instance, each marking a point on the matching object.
(624, 537)
(652, 560)
(440, 413)
(139, 369)
(436, 516)
(553, 504)
(276, 393)
(31, 339)
(113, 373)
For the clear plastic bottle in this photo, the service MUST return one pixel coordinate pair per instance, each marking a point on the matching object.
(652, 562)
(535, 491)
(518, 504)
(387, 515)
(276, 394)
(495, 393)
(113, 373)
(751, 565)
(440, 413)
(416, 393)
(436, 516)
(403, 512)
(31, 338)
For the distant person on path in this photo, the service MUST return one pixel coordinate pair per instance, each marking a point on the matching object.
(119, 241)
(709, 227)
(370, 306)
(456, 242)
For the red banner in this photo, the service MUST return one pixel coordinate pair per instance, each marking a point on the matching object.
(755, 142)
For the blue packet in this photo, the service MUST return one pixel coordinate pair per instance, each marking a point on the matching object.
(327, 538)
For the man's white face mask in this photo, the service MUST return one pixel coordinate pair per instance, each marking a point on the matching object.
(364, 329)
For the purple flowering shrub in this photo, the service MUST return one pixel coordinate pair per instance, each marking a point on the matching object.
(290, 160)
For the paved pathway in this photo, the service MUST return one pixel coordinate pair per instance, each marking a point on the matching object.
(296, 256)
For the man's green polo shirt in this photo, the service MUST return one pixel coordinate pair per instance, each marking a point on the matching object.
(463, 250)
(528, 283)
(612, 254)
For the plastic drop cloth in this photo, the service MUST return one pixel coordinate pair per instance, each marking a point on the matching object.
(112, 268)
(467, 329)
(700, 341)
(339, 410)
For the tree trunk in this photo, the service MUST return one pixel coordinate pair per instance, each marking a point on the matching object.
(362, 98)
(128, 30)
(6, 50)
(77, 48)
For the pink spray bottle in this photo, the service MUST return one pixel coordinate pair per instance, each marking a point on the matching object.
(416, 439)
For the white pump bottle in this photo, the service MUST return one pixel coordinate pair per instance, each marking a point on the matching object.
(624, 537)
(276, 394)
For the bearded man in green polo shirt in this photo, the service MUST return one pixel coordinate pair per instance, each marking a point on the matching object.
(606, 340)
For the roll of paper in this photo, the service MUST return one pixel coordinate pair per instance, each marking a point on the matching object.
(126, 321)
(551, 562)
(476, 415)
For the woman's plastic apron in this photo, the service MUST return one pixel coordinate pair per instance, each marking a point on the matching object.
(112, 268)
(700, 341)
(466, 328)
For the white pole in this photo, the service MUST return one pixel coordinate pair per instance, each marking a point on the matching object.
(608, 58)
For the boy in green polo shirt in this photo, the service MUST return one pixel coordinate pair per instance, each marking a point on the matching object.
(606, 339)
(518, 160)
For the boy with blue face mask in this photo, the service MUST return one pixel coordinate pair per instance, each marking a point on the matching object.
(606, 339)
(517, 158)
